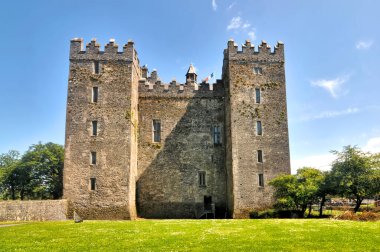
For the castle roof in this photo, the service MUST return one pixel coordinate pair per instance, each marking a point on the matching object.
(191, 70)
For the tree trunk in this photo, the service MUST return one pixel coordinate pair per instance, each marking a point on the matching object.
(303, 210)
(22, 192)
(323, 200)
(13, 193)
(358, 203)
(309, 214)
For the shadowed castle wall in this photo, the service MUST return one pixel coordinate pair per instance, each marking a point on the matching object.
(167, 184)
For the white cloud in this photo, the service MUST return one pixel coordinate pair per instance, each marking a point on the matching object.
(246, 25)
(331, 114)
(364, 44)
(214, 5)
(373, 145)
(231, 6)
(322, 162)
(237, 23)
(332, 86)
(252, 35)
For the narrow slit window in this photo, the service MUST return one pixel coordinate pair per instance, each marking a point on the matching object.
(94, 128)
(156, 131)
(258, 95)
(93, 158)
(95, 94)
(202, 178)
(217, 135)
(259, 129)
(96, 67)
(260, 156)
(261, 180)
(93, 184)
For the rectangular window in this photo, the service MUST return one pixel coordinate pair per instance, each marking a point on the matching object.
(258, 95)
(259, 130)
(96, 67)
(93, 158)
(202, 178)
(257, 70)
(93, 184)
(216, 135)
(261, 180)
(260, 156)
(94, 128)
(95, 93)
(156, 131)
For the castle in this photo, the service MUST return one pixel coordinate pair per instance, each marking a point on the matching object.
(136, 146)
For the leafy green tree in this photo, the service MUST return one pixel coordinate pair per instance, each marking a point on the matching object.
(8, 164)
(297, 192)
(357, 174)
(328, 186)
(45, 161)
(37, 174)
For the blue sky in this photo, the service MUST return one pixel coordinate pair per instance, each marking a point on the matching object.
(331, 47)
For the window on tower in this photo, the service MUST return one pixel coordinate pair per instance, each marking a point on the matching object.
(93, 158)
(259, 156)
(202, 178)
(261, 180)
(259, 129)
(92, 184)
(258, 95)
(258, 70)
(156, 131)
(217, 135)
(94, 128)
(96, 67)
(95, 94)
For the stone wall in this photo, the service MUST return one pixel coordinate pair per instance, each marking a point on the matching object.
(161, 179)
(116, 141)
(168, 179)
(33, 210)
(243, 110)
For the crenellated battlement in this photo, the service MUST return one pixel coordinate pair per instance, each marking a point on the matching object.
(263, 52)
(174, 89)
(151, 85)
(94, 52)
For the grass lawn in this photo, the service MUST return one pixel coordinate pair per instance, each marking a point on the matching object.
(194, 235)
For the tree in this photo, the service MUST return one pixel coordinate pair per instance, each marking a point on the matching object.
(45, 161)
(328, 186)
(297, 192)
(37, 174)
(356, 173)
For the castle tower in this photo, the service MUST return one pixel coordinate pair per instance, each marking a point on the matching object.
(257, 148)
(101, 130)
(191, 76)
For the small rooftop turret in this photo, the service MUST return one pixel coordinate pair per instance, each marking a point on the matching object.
(191, 76)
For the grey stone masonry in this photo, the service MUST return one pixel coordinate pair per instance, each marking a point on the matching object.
(178, 149)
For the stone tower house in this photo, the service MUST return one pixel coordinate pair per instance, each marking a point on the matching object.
(136, 146)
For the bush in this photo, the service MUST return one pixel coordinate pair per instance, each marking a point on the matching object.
(365, 216)
(369, 216)
(347, 215)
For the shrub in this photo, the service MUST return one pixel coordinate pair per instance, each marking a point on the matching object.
(347, 215)
(369, 216)
(365, 216)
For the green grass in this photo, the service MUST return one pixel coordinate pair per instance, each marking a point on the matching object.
(193, 235)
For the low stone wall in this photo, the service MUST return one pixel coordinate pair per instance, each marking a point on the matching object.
(33, 210)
